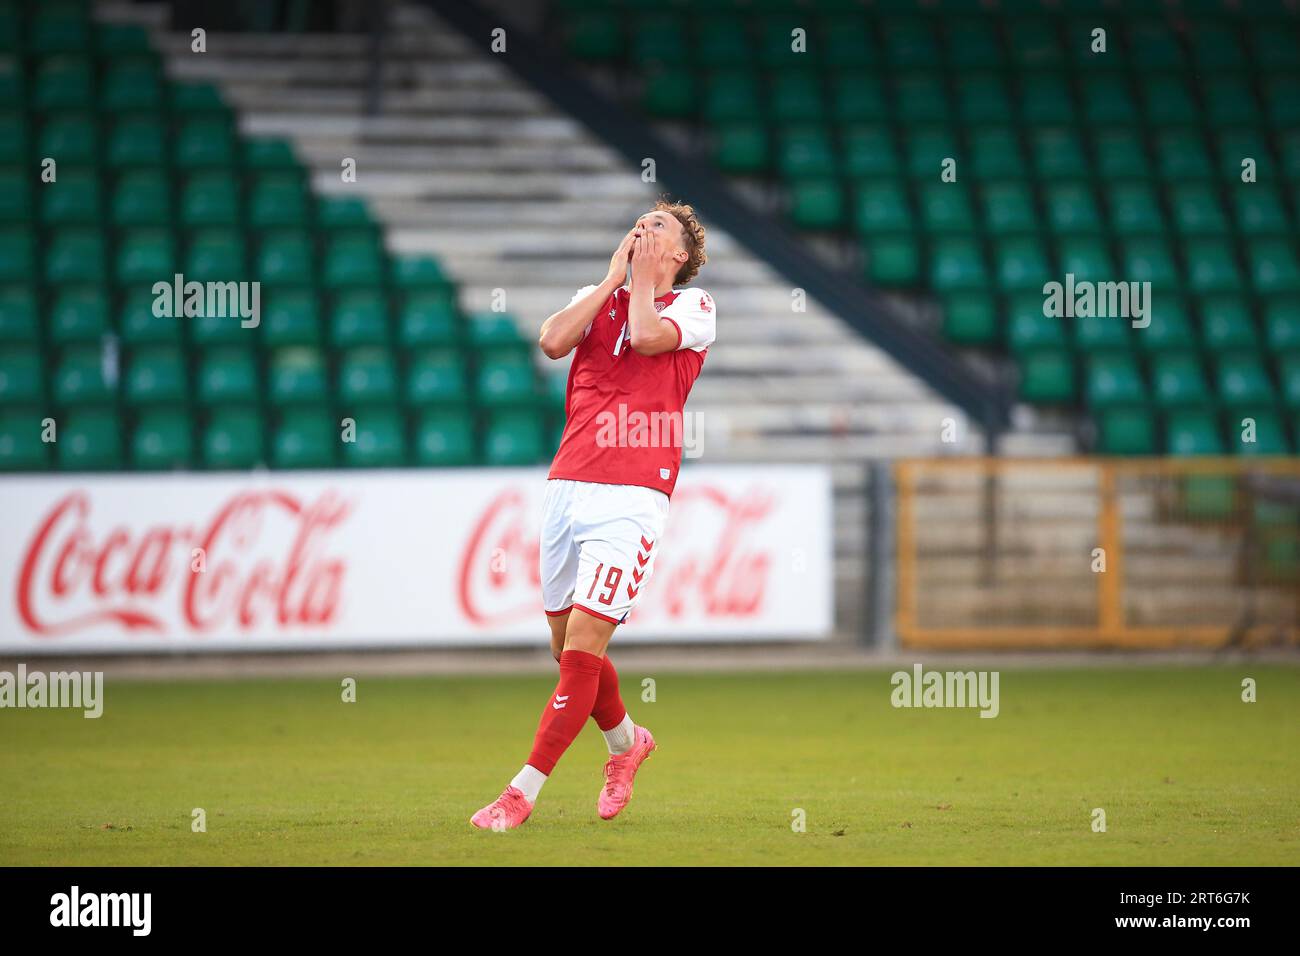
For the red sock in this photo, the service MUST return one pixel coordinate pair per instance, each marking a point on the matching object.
(608, 710)
(567, 710)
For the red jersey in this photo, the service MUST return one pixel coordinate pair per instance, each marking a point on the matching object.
(624, 423)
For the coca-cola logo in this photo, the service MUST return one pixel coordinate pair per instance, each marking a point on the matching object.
(721, 570)
(242, 577)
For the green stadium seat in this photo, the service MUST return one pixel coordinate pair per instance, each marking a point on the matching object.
(75, 255)
(213, 329)
(297, 375)
(1228, 99)
(64, 83)
(1047, 376)
(505, 378)
(444, 438)
(1259, 210)
(817, 203)
(1197, 211)
(215, 255)
(78, 315)
(910, 42)
(1226, 324)
(121, 39)
(305, 438)
(227, 376)
(1087, 258)
(946, 208)
(1282, 325)
(594, 35)
(1237, 143)
(1120, 154)
(367, 376)
(162, 439)
(1273, 266)
(155, 375)
(1212, 266)
(1008, 207)
(1107, 99)
(732, 96)
(1046, 98)
(892, 260)
(73, 199)
(983, 98)
(290, 316)
(514, 438)
(205, 141)
(70, 139)
(869, 151)
(278, 199)
(1167, 101)
(1216, 46)
(21, 447)
(1113, 379)
(146, 256)
(1289, 377)
(286, 257)
(796, 96)
(1096, 333)
(138, 324)
(847, 44)
(972, 43)
(881, 206)
(1170, 328)
(436, 377)
(17, 254)
(89, 439)
(1149, 259)
(16, 202)
(741, 147)
(1034, 43)
(415, 273)
(132, 84)
(195, 99)
(1126, 431)
(343, 212)
(232, 439)
(494, 330)
(957, 264)
(210, 199)
(20, 375)
(1072, 208)
(1243, 381)
(428, 318)
(1177, 380)
(1192, 432)
(805, 152)
(858, 97)
(1181, 155)
(267, 153)
(18, 315)
(141, 199)
(1134, 210)
(1020, 264)
(970, 318)
(1152, 43)
(1058, 154)
(13, 138)
(1282, 94)
(352, 260)
(380, 439)
(922, 98)
(995, 153)
(1028, 329)
(669, 93)
(927, 149)
(359, 318)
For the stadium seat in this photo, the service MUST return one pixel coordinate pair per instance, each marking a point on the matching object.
(21, 447)
(89, 439)
(380, 439)
(232, 439)
(514, 438)
(227, 376)
(155, 375)
(305, 438)
(444, 438)
(366, 376)
(162, 439)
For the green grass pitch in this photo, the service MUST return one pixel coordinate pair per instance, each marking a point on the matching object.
(289, 774)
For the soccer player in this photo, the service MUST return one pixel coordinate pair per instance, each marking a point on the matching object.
(640, 345)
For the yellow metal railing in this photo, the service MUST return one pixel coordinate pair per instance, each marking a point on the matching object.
(1089, 552)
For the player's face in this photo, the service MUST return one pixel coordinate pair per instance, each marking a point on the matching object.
(666, 227)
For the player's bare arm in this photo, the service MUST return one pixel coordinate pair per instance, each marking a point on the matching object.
(562, 332)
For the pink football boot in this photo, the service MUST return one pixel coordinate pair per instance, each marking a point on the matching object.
(619, 771)
(505, 812)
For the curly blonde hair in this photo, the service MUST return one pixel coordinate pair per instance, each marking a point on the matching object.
(692, 238)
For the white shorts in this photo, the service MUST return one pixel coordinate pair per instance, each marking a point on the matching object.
(599, 544)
